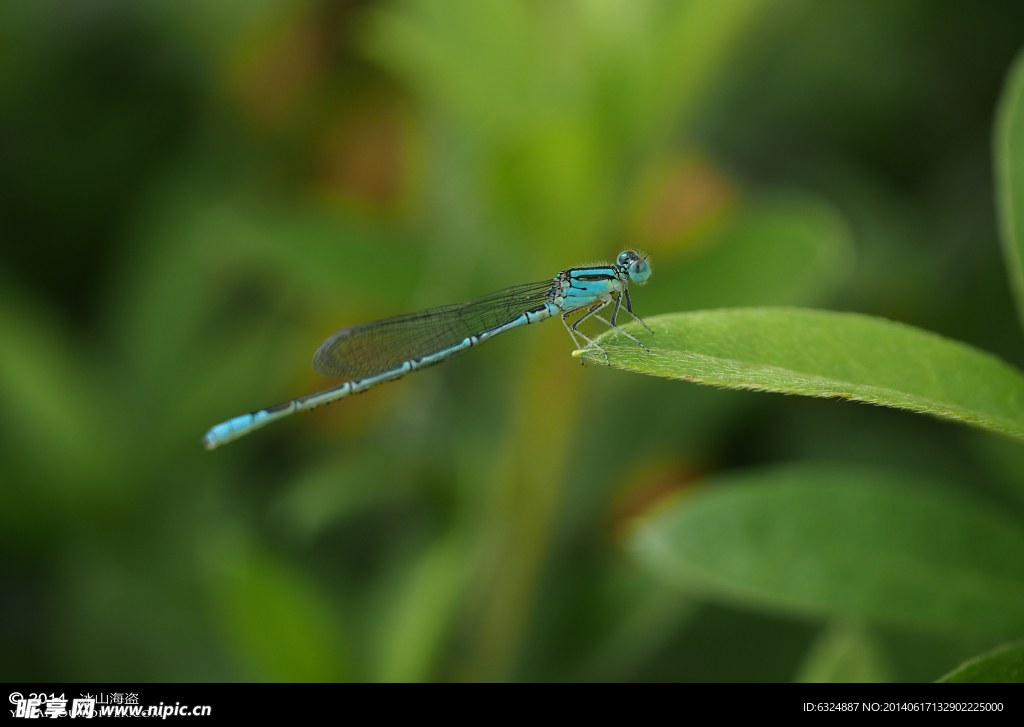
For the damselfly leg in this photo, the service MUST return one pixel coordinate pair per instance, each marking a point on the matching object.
(575, 331)
(629, 309)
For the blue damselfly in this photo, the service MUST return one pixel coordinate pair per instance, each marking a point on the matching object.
(372, 353)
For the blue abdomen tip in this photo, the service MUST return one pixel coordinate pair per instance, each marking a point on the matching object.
(226, 431)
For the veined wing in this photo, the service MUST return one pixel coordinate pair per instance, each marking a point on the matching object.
(370, 348)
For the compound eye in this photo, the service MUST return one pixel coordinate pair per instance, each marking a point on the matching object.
(624, 258)
(639, 271)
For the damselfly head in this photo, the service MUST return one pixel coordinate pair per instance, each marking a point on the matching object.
(637, 267)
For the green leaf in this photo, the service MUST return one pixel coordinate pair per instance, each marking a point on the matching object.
(844, 541)
(1009, 164)
(1003, 665)
(826, 354)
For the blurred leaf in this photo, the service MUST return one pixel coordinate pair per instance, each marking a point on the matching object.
(790, 250)
(420, 617)
(658, 57)
(844, 541)
(58, 416)
(844, 653)
(723, 644)
(501, 65)
(653, 614)
(332, 491)
(559, 99)
(472, 57)
(1009, 164)
(826, 354)
(279, 627)
(1003, 665)
(1005, 459)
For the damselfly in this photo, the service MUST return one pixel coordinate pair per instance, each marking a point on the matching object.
(372, 353)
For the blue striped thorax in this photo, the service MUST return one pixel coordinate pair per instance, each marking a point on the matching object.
(580, 287)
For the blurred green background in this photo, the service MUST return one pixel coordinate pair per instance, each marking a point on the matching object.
(193, 195)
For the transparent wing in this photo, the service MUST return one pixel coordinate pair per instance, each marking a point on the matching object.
(369, 348)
